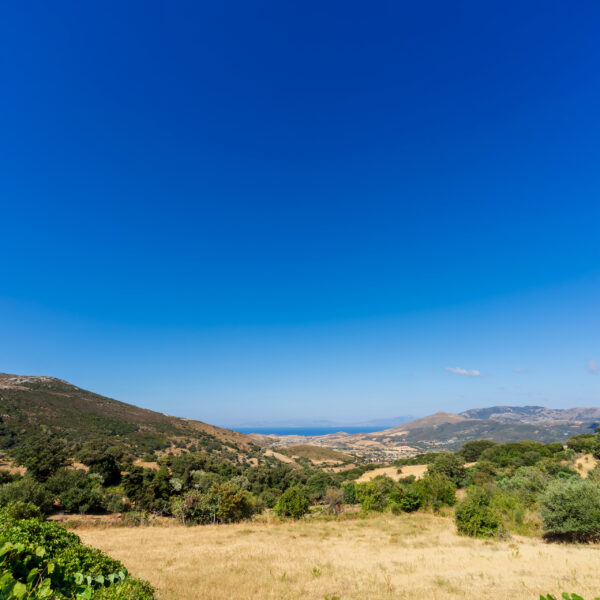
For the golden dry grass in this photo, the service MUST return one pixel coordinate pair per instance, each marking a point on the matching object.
(409, 556)
(417, 470)
(584, 464)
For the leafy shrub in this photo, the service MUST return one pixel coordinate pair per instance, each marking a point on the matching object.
(23, 510)
(436, 491)
(102, 459)
(292, 503)
(41, 560)
(269, 498)
(408, 500)
(27, 489)
(350, 493)
(7, 477)
(471, 451)
(224, 503)
(584, 442)
(317, 484)
(77, 491)
(555, 447)
(570, 510)
(526, 484)
(43, 455)
(474, 515)
(564, 596)
(448, 465)
(516, 454)
(375, 494)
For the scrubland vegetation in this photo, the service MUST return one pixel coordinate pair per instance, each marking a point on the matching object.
(368, 534)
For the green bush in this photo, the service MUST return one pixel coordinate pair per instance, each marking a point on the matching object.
(269, 498)
(584, 442)
(101, 458)
(41, 560)
(375, 494)
(408, 501)
(317, 484)
(350, 493)
(27, 489)
(436, 491)
(471, 451)
(570, 510)
(43, 455)
(516, 454)
(224, 503)
(23, 510)
(475, 517)
(292, 503)
(448, 465)
(564, 596)
(526, 484)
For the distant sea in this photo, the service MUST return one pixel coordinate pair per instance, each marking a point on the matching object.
(306, 430)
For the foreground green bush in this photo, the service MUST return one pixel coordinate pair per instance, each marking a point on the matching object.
(41, 560)
(570, 510)
(475, 517)
(564, 596)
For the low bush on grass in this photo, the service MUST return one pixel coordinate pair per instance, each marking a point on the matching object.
(292, 503)
(436, 491)
(475, 517)
(570, 510)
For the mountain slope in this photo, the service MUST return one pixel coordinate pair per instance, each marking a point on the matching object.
(31, 404)
(448, 431)
(533, 414)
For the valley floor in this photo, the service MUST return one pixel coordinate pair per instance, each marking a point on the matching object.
(409, 556)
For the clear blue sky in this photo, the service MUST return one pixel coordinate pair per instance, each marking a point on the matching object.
(241, 211)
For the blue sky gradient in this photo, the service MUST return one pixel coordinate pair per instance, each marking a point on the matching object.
(251, 211)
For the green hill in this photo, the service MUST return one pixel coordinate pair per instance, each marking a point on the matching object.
(29, 405)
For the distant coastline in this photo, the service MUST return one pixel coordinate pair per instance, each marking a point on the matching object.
(306, 431)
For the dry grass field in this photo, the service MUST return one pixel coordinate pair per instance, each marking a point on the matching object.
(410, 556)
(417, 470)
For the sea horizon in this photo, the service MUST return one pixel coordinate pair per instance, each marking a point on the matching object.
(306, 431)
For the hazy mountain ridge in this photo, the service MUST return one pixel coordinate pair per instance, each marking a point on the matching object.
(448, 431)
(533, 414)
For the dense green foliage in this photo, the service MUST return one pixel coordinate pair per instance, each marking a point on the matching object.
(570, 510)
(471, 451)
(448, 465)
(292, 503)
(41, 560)
(474, 515)
(382, 492)
(223, 503)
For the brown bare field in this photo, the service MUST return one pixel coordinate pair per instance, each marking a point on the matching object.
(410, 556)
